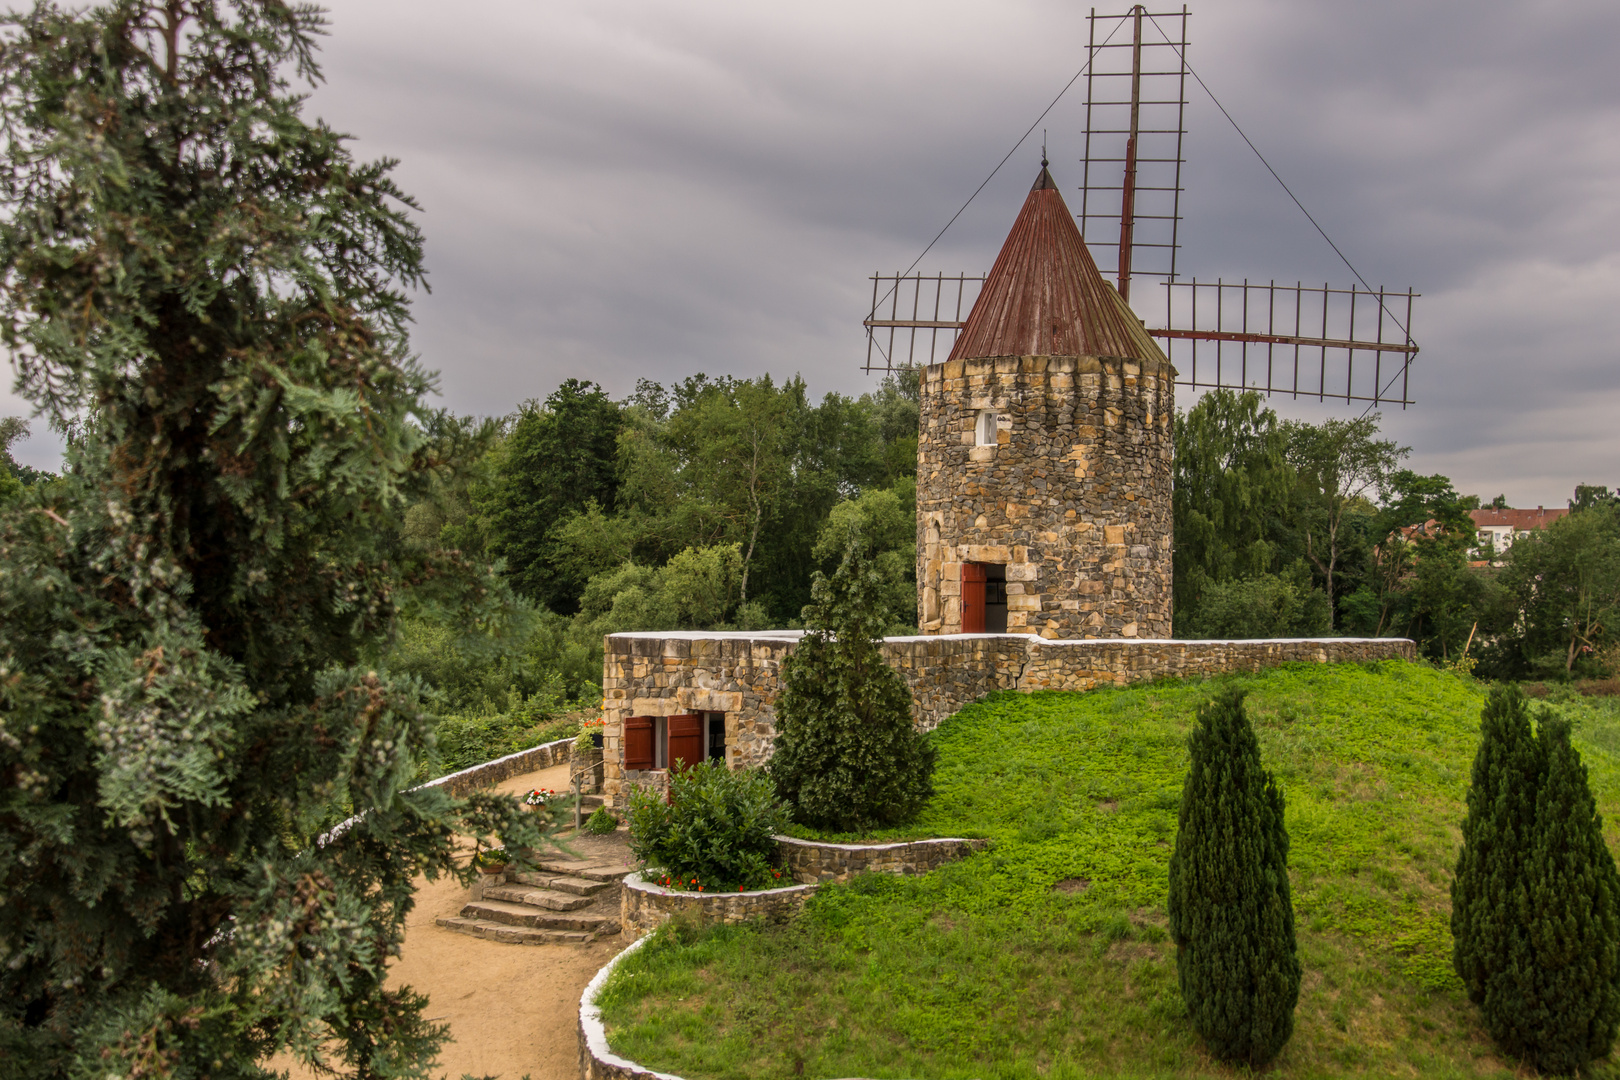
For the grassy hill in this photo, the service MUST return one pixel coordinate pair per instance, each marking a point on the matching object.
(1048, 956)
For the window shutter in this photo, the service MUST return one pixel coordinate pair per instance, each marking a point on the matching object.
(638, 742)
(685, 740)
(973, 576)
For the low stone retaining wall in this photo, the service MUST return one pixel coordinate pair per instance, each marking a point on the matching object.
(490, 773)
(815, 862)
(644, 906)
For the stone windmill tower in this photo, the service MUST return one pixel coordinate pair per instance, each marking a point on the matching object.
(1043, 466)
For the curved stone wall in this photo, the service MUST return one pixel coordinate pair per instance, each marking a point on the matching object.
(818, 862)
(1073, 497)
(644, 906)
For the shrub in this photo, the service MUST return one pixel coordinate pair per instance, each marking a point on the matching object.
(1496, 840)
(717, 825)
(1536, 900)
(602, 822)
(847, 755)
(1267, 605)
(1231, 914)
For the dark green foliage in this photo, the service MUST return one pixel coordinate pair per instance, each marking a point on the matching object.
(1269, 605)
(1536, 899)
(847, 755)
(1231, 914)
(601, 822)
(717, 825)
(558, 458)
(211, 291)
(1560, 596)
(1497, 834)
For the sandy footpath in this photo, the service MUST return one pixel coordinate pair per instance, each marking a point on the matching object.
(512, 1009)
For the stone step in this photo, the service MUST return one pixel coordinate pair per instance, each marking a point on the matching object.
(578, 868)
(508, 914)
(551, 880)
(512, 935)
(536, 897)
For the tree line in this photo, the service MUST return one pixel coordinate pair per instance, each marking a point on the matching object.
(1289, 528)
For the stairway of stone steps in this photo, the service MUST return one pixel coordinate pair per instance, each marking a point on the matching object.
(561, 901)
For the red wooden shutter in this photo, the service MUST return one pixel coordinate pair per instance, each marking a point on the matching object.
(638, 742)
(973, 598)
(685, 740)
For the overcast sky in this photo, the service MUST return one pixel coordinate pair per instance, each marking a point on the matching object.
(622, 188)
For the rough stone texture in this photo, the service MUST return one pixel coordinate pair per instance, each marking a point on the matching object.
(740, 674)
(645, 906)
(812, 862)
(489, 773)
(1074, 498)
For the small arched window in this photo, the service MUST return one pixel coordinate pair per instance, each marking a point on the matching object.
(985, 429)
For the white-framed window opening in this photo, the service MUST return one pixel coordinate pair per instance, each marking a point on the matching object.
(985, 428)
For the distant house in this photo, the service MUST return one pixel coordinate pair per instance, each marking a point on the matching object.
(1503, 526)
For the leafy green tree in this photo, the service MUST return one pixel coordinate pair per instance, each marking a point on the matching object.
(1561, 587)
(1339, 465)
(1497, 833)
(1588, 496)
(559, 456)
(1269, 605)
(1232, 488)
(884, 521)
(847, 754)
(215, 289)
(1230, 910)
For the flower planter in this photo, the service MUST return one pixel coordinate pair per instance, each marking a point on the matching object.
(645, 906)
(596, 740)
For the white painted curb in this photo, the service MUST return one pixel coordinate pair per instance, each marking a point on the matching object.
(594, 1036)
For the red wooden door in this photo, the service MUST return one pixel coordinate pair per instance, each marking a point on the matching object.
(685, 740)
(973, 578)
(638, 742)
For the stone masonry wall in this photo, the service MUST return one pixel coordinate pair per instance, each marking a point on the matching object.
(740, 675)
(811, 862)
(1074, 498)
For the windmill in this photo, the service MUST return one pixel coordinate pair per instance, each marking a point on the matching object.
(1299, 339)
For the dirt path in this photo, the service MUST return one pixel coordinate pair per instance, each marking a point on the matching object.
(512, 1009)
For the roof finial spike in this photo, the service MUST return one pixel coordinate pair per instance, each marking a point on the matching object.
(1044, 162)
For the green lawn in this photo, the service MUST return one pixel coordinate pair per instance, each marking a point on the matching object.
(1047, 956)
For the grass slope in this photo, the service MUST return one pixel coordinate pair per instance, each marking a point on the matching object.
(1048, 955)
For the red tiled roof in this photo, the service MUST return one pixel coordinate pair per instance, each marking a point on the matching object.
(1518, 520)
(1044, 296)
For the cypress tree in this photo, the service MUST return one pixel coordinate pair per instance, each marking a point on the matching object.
(1497, 834)
(848, 756)
(1231, 914)
(1556, 1004)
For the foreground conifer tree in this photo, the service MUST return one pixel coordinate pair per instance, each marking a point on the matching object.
(1537, 895)
(1231, 913)
(847, 755)
(207, 290)
(1497, 835)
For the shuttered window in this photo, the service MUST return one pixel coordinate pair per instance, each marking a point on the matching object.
(685, 740)
(638, 742)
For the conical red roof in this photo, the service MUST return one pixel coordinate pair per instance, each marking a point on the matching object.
(1044, 296)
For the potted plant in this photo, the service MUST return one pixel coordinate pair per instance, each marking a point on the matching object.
(590, 734)
(492, 861)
